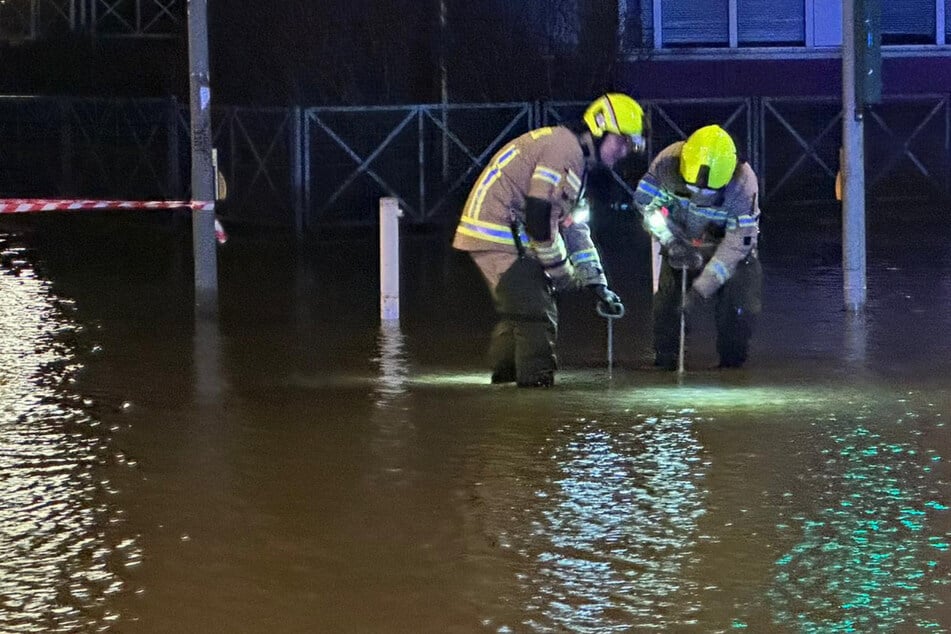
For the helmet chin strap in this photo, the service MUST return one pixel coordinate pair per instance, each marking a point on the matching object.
(596, 143)
(597, 147)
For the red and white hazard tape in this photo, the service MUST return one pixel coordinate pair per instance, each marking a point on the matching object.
(27, 205)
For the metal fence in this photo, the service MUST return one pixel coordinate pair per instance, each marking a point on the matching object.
(305, 168)
(33, 19)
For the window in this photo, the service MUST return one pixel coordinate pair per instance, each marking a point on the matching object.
(908, 22)
(770, 23)
(785, 23)
(695, 23)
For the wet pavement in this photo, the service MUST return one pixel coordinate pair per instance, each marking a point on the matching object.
(296, 467)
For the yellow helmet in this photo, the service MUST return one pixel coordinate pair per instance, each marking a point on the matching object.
(708, 158)
(616, 113)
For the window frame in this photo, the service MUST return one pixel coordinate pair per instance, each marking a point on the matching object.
(809, 6)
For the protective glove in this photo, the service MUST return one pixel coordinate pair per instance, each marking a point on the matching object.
(692, 302)
(608, 301)
(681, 255)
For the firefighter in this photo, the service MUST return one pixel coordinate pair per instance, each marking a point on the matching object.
(700, 203)
(524, 226)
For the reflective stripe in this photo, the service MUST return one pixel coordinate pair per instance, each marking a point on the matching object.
(709, 212)
(554, 255)
(546, 174)
(720, 270)
(647, 188)
(489, 231)
(587, 255)
(542, 132)
(489, 179)
(574, 181)
(747, 221)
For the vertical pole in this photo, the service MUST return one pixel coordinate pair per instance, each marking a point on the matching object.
(940, 23)
(733, 24)
(683, 321)
(853, 170)
(174, 165)
(68, 186)
(389, 259)
(444, 90)
(297, 170)
(203, 176)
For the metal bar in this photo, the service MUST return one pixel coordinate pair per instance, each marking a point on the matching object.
(939, 23)
(810, 8)
(448, 134)
(364, 163)
(203, 177)
(262, 160)
(479, 162)
(905, 151)
(670, 121)
(143, 157)
(420, 128)
(683, 321)
(295, 148)
(732, 24)
(658, 23)
(174, 168)
(308, 193)
(853, 172)
(808, 147)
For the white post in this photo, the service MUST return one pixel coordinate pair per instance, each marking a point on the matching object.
(389, 259)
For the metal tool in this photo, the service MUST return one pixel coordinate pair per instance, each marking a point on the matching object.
(610, 317)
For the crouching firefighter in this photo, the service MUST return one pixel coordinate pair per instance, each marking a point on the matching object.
(700, 203)
(524, 228)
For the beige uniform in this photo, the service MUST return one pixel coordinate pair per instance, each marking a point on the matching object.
(548, 164)
(730, 221)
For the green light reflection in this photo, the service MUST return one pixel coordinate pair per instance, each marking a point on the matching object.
(865, 560)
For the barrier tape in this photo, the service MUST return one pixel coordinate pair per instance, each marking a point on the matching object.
(27, 205)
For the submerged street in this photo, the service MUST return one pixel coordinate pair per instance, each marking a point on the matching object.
(297, 467)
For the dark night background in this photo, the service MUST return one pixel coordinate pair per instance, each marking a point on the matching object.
(369, 52)
(331, 53)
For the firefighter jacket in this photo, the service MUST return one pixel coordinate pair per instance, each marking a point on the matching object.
(548, 164)
(725, 226)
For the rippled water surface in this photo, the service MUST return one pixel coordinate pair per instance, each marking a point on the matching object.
(295, 466)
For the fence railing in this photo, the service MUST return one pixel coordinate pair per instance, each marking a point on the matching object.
(32, 19)
(303, 168)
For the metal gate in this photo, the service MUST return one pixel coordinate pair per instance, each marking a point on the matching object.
(301, 169)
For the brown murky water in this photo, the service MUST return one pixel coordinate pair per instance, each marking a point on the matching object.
(295, 467)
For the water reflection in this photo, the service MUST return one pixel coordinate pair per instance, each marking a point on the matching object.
(392, 362)
(856, 338)
(606, 541)
(209, 380)
(393, 428)
(57, 565)
(873, 549)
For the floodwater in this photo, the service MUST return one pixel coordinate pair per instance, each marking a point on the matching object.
(296, 467)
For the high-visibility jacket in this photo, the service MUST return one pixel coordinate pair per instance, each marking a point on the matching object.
(728, 223)
(548, 164)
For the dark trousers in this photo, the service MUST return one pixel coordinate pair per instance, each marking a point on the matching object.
(738, 302)
(523, 341)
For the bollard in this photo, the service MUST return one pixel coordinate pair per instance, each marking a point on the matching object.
(389, 259)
